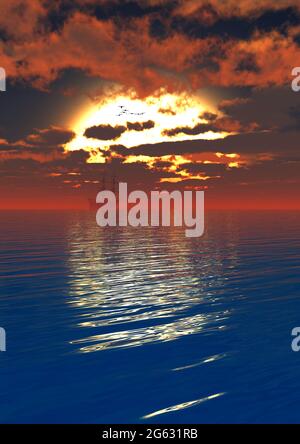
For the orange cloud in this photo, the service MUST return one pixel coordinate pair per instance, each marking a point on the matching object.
(105, 49)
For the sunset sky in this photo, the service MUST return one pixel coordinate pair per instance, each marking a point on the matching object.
(184, 94)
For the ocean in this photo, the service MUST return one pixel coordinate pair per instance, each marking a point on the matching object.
(145, 325)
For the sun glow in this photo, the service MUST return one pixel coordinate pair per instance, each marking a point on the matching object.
(166, 111)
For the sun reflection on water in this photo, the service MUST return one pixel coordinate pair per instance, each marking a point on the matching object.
(139, 286)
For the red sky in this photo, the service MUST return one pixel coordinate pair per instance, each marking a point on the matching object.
(157, 93)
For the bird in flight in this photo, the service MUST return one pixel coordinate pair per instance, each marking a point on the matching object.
(124, 110)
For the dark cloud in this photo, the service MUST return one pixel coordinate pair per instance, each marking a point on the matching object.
(50, 137)
(108, 132)
(294, 125)
(160, 164)
(273, 108)
(297, 39)
(252, 143)
(58, 13)
(208, 116)
(140, 126)
(278, 20)
(197, 129)
(7, 147)
(71, 160)
(127, 9)
(276, 170)
(236, 27)
(158, 30)
(105, 132)
(216, 125)
(208, 169)
(120, 150)
(43, 145)
(167, 111)
(247, 63)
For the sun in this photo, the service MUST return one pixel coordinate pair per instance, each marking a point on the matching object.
(165, 110)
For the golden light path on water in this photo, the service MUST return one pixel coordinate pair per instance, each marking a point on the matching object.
(136, 287)
(167, 111)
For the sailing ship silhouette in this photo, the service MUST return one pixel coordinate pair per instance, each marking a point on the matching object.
(107, 185)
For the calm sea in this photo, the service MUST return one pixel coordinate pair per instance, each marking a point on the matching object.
(145, 325)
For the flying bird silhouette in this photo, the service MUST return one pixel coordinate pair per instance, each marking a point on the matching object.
(126, 111)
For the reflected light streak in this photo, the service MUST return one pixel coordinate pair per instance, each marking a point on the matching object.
(184, 405)
(144, 278)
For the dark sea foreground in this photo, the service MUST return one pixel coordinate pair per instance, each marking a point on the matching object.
(145, 325)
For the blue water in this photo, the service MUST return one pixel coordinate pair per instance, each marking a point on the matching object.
(146, 325)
